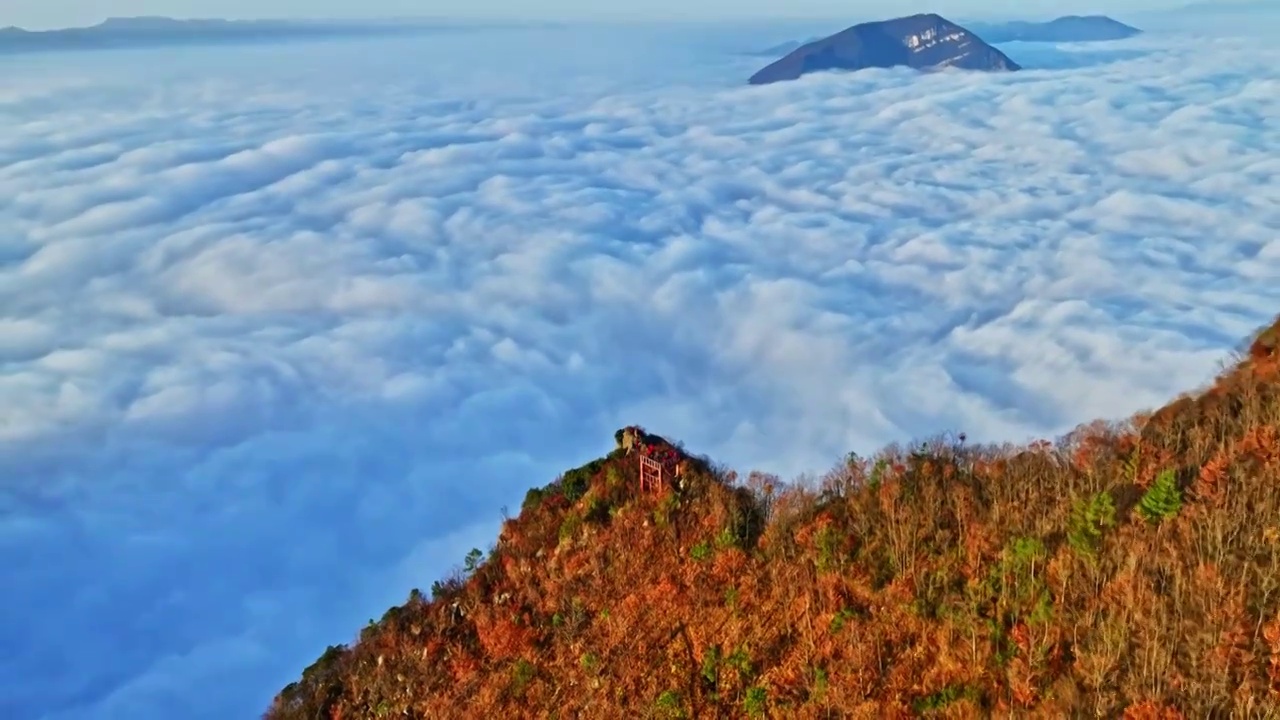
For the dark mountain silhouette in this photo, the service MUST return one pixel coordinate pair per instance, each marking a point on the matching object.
(1126, 570)
(1072, 28)
(137, 32)
(925, 42)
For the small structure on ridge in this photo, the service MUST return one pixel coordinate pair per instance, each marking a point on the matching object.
(659, 460)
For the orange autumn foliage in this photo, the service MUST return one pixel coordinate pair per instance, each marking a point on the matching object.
(1069, 578)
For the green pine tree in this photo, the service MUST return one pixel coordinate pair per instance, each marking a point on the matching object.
(1162, 500)
(1089, 517)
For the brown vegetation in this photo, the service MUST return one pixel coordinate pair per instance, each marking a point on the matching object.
(1127, 570)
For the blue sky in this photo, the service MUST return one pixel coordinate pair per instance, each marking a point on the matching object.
(39, 14)
(283, 328)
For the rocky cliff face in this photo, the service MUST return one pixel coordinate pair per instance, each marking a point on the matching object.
(926, 41)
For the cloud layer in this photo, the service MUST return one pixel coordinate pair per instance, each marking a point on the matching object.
(284, 328)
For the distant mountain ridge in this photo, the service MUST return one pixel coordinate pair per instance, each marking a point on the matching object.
(1070, 28)
(153, 31)
(925, 41)
(781, 48)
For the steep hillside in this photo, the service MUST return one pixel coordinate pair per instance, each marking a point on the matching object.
(1128, 568)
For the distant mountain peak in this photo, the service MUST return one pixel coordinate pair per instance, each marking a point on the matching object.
(1068, 28)
(924, 41)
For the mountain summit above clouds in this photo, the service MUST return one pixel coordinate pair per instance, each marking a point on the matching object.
(926, 42)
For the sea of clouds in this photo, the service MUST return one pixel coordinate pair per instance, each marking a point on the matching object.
(283, 329)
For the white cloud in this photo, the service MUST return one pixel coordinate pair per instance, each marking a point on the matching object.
(283, 328)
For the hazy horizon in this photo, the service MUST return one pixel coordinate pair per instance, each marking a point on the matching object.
(43, 15)
(284, 328)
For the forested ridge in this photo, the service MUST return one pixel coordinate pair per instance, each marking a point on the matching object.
(1130, 568)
